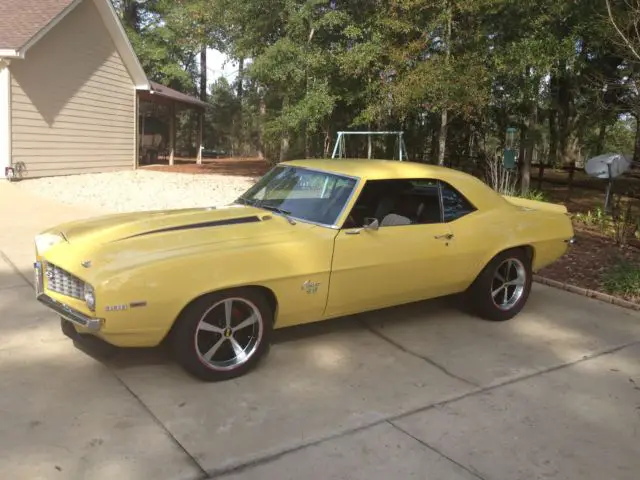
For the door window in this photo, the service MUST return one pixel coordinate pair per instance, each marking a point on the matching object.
(408, 202)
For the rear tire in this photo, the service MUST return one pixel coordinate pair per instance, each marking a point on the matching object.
(501, 290)
(223, 335)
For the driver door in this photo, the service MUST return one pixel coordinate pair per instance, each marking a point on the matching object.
(376, 268)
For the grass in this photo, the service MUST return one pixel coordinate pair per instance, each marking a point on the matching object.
(623, 279)
(536, 195)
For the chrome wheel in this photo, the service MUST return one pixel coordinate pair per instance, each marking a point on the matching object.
(508, 283)
(228, 334)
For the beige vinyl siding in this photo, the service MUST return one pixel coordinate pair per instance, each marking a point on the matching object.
(73, 101)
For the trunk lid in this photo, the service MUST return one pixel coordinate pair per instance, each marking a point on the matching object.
(536, 205)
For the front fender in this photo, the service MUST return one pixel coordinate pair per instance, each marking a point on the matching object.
(151, 295)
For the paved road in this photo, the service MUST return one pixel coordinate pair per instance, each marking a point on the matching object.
(420, 391)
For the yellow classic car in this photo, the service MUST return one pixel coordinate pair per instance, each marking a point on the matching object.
(311, 240)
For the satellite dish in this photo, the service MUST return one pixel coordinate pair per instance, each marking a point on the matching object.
(607, 166)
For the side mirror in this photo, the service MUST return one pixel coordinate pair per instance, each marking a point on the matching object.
(371, 224)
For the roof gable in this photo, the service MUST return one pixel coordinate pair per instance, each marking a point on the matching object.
(21, 20)
(24, 22)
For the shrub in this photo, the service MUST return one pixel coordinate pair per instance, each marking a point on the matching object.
(596, 218)
(625, 222)
(535, 195)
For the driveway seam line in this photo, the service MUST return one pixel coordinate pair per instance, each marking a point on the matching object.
(469, 470)
(15, 269)
(512, 381)
(416, 355)
(270, 457)
(144, 406)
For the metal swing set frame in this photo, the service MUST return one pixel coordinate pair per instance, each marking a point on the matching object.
(339, 150)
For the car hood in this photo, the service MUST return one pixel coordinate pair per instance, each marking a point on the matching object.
(123, 226)
(113, 243)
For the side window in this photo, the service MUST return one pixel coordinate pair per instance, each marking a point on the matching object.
(454, 204)
(426, 199)
(396, 203)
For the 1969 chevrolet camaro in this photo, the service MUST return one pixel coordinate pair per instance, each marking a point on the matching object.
(311, 240)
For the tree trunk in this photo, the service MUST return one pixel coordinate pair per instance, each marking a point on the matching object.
(130, 15)
(601, 137)
(327, 141)
(636, 150)
(527, 159)
(203, 73)
(240, 79)
(240, 138)
(262, 115)
(442, 139)
(284, 142)
(553, 122)
(434, 142)
(571, 149)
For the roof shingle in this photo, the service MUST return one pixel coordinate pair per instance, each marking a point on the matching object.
(21, 20)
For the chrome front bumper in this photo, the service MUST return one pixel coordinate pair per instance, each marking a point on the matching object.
(66, 312)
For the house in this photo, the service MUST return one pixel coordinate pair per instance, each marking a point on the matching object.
(70, 90)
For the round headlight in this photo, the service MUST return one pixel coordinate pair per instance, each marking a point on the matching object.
(90, 297)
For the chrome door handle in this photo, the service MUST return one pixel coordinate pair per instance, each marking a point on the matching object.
(446, 236)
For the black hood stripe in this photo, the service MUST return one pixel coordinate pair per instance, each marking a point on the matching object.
(192, 226)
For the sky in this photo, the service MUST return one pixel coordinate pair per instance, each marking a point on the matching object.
(219, 65)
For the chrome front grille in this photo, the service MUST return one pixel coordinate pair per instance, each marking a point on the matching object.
(64, 283)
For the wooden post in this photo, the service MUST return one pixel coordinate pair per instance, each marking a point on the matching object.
(201, 125)
(136, 150)
(141, 149)
(172, 133)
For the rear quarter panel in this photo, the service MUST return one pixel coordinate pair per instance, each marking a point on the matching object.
(482, 235)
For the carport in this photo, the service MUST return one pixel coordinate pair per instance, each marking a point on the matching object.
(160, 110)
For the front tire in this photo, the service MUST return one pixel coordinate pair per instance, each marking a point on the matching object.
(223, 335)
(501, 290)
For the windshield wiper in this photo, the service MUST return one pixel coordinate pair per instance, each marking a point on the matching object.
(260, 204)
(284, 213)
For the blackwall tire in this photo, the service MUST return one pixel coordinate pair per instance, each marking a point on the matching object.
(223, 335)
(502, 289)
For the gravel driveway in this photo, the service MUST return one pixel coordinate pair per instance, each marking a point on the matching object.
(135, 190)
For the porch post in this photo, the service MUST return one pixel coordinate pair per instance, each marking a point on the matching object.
(136, 133)
(5, 118)
(142, 159)
(200, 128)
(172, 133)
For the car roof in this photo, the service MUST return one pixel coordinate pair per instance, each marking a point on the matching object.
(374, 169)
(478, 192)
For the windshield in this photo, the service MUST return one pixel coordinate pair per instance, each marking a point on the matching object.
(304, 194)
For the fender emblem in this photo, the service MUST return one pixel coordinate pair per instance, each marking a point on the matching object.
(310, 287)
(115, 308)
(86, 263)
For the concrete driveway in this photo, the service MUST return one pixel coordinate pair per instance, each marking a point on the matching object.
(420, 391)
